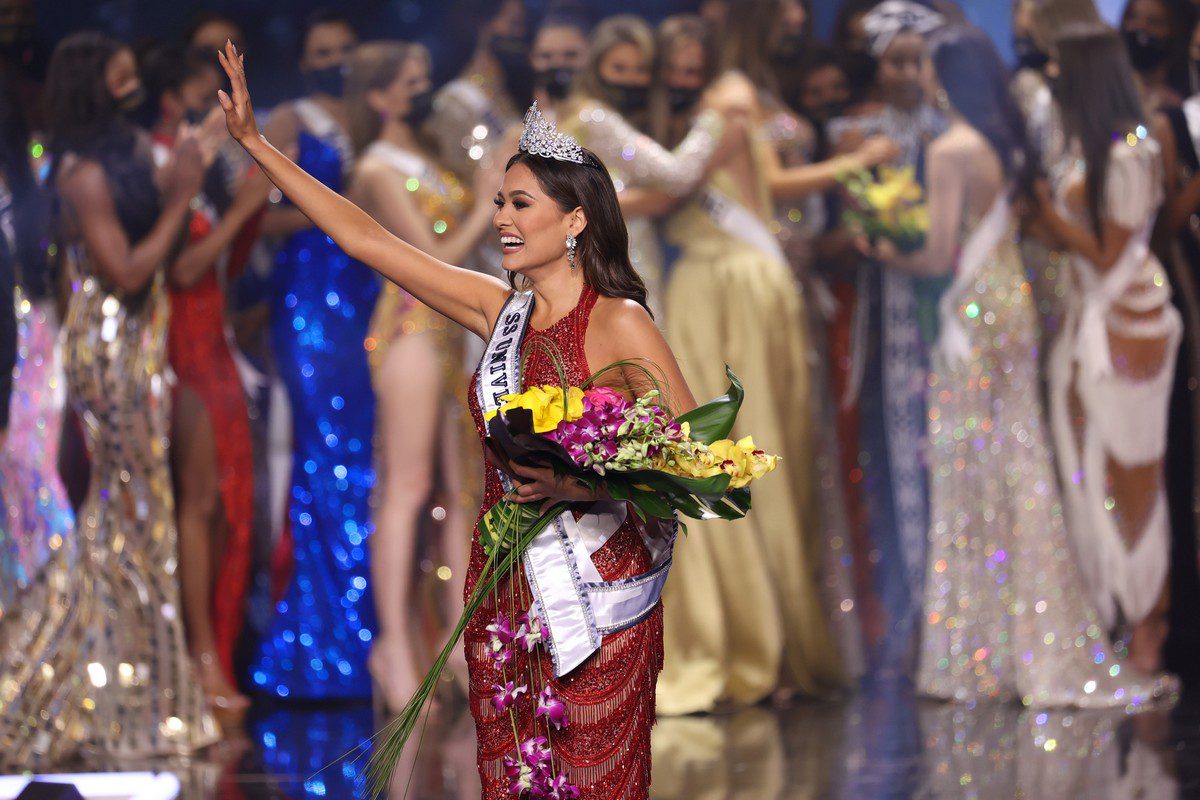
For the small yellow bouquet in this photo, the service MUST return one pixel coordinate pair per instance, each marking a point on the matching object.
(890, 206)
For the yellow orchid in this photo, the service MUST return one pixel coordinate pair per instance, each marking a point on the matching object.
(546, 404)
(742, 460)
(894, 188)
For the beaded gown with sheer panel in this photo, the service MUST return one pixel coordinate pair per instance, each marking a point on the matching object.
(605, 748)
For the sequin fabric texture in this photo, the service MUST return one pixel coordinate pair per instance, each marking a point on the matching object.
(1006, 612)
(605, 750)
(321, 302)
(98, 660)
(37, 518)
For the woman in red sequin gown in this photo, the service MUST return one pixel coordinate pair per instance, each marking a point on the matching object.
(211, 457)
(590, 304)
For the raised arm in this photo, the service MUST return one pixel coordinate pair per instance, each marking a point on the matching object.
(677, 172)
(469, 298)
(131, 265)
(380, 186)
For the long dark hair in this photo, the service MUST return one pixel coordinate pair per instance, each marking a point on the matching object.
(976, 84)
(603, 249)
(82, 118)
(29, 205)
(1099, 100)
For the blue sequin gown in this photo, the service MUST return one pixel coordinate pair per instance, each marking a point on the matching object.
(321, 302)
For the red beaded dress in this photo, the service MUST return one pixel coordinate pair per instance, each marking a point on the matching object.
(202, 361)
(605, 749)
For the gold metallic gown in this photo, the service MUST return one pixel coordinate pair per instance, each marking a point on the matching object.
(95, 661)
(742, 606)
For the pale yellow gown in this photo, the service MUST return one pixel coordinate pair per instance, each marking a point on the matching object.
(742, 606)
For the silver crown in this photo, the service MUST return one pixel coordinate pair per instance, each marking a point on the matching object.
(541, 138)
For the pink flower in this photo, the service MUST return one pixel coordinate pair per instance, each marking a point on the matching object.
(559, 789)
(507, 695)
(530, 632)
(535, 752)
(521, 780)
(500, 636)
(602, 396)
(552, 708)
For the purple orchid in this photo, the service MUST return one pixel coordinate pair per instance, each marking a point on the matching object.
(553, 709)
(536, 752)
(507, 695)
(530, 632)
(522, 781)
(500, 636)
(560, 789)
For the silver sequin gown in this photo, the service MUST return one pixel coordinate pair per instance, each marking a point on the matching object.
(96, 663)
(1006, 615)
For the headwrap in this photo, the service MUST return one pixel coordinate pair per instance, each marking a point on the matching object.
(891, 18)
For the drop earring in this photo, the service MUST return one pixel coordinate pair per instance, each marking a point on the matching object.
(571, 242)
(942, 100)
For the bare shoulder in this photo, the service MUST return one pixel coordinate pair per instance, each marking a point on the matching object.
(82, 179)
(960, 145)
(620, 316)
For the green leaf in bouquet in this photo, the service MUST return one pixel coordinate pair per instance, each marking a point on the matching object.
(499, 526)
(714, 420)
(651, 502)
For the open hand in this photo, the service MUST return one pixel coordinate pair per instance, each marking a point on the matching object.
(239, 115)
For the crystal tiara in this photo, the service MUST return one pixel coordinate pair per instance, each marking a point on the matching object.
(541, 138)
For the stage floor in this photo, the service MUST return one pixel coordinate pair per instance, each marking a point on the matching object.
(881, 744)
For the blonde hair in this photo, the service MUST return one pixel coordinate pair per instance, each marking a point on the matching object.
(373, 67)
(616, 30)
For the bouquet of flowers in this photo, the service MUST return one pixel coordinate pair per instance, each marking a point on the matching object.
(891, 206)
(631, 450)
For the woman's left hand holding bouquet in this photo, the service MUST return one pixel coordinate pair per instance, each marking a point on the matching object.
(538, 484)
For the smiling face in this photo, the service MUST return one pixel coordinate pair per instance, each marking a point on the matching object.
(531, 226)
(903, 71)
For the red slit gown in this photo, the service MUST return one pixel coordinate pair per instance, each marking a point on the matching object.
(605, 750)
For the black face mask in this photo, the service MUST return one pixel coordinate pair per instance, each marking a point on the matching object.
(556, 82)
(131, 102)
(329, 81)
(194, 116)
(681, 100)
(822, 114)
(513, 54)
(1029, 55)
(628, 99)
(1146, 52)
(420, 107)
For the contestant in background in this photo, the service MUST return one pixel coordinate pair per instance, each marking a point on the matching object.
(1178, 243)
(415, 354)
(892, 329)
(1113, 365)
(35, 516)
(559, 51)
(1156, 34)
(210, 453)
(321, 301)
(78, 678)
(608, 112)
(744, 614)
(1007, 616)
(474, 113)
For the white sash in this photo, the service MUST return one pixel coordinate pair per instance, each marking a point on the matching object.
(1099, 293)
(570, 595)
(953, 343)
(741, 223)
